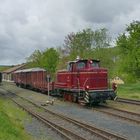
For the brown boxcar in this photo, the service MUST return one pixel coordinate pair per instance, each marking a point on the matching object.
(34, 78)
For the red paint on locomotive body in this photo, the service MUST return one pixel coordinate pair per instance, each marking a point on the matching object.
(83, 74)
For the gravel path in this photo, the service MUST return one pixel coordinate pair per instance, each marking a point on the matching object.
(131, 131)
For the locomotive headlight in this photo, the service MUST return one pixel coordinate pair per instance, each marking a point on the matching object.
(90, 61)
(87, 87)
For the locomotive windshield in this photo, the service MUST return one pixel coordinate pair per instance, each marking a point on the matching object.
(95, 64)
(76, 65)
(69, 67)
(81, 65)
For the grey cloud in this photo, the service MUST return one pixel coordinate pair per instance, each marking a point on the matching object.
(104, 11)
(27, 25)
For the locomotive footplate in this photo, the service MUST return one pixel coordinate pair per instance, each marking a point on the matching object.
(87, 96)
(97, 96)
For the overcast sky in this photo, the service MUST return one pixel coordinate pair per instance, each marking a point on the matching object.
(26, 25)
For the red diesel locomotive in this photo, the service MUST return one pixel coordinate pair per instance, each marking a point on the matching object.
(83, 81)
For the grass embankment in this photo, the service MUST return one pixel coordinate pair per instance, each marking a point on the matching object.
(131, 91)
(11, 121)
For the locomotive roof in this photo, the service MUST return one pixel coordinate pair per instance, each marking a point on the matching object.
(82, 60)
(30, 70)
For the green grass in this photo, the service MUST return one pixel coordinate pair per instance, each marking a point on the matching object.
(2, 68)
(11, 121)
(131, 91)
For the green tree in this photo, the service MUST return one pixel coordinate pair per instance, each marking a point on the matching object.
(101, 39)
(78, 44)
(85, 42)
(47, 59)
(35, 59)
(129, 46)
(50, 60)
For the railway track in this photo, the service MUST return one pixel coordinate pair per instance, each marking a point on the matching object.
(119, 113)
(69, 128)
(129, 101)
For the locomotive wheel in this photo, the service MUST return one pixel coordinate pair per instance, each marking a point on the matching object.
(75, 99)
(96, 103)
(17, 84)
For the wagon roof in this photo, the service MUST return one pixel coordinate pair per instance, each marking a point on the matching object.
(30, 70)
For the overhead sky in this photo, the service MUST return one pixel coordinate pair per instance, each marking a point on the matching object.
(27, 25)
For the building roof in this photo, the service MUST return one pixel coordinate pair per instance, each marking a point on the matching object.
(15, 68)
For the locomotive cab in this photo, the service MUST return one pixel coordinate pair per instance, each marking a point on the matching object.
(82, 65)
(88, 74)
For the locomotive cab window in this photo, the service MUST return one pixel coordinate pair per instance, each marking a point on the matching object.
(95, 64)
(69, 67)
(81, 65)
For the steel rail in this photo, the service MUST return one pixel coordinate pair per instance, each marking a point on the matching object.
(128, 101)
(67, 134)
(71, 121)
(104, 110)
(125, 111)
(100, 132)
(92, 129)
